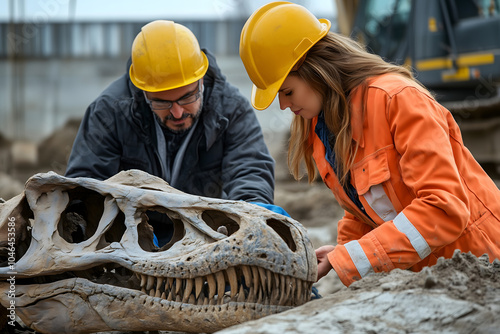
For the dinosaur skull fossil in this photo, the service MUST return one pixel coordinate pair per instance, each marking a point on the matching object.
(98, 269)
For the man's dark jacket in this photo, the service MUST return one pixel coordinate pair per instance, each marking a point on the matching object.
(226, 156)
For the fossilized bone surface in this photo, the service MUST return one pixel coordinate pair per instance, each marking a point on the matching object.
(98, 270)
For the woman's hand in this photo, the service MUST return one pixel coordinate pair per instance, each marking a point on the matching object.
(324, 265)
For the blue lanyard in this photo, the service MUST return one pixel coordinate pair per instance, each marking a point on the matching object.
(323, 133)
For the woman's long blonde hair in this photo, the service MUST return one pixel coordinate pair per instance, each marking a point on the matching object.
(334, 66)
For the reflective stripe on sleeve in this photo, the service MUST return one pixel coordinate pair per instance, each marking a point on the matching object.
(359, 258)
(418, 242)
(380, 203)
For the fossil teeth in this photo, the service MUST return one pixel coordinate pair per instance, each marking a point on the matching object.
(188, 290)
(151, 293)
(211, 286)
(221, 285)
(269, 282)
(259, 297)
(276, 289)
(150, 283)
(306, 292)
(247, 275)
(291, 288)
(299, 293)
(171, 295)
(199, 285)
(170, 282)
(309, 290)
(251, 295)
(282, 290)
(159, 283)
(255, 273)
(192, 300)
(178, 285)
(233, 281)
(241, 295)
(144, 278)
(157, 293)
(276, 280)
(263, 279)
(275, 295)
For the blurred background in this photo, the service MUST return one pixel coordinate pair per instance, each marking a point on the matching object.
(57, 55)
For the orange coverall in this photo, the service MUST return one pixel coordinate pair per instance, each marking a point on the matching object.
(424, 192)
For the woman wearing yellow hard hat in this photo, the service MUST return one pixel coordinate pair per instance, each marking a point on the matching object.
(392, 156)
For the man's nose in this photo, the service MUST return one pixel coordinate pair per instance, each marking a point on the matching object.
(176, 110)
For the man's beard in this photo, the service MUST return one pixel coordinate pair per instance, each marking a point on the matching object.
(163, 122)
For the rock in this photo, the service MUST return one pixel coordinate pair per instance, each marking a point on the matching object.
(9, 187)
(24, 154)
(5, 154)
(54, 150)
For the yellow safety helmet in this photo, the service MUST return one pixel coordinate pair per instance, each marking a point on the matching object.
(166, 55)
(273, 39)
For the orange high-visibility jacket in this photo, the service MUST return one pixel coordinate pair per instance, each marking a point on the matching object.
(424, 192)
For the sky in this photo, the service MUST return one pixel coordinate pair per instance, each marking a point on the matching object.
(39, 11)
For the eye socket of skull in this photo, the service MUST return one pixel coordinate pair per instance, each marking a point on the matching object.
(159, 222)
(80, 220)
(218, 219)
(284, 232)
(165, 224)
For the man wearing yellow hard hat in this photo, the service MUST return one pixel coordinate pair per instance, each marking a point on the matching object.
(174, 115)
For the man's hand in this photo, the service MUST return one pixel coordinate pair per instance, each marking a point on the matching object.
(324, 265)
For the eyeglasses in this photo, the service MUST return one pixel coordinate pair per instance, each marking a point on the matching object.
(191, 97)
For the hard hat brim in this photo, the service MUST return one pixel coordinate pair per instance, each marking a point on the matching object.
(262, 98)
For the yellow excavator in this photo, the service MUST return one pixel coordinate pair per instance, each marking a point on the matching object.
(453, 47)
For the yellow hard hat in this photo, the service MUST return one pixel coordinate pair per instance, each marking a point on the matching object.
(273, 39)
(166, 55)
